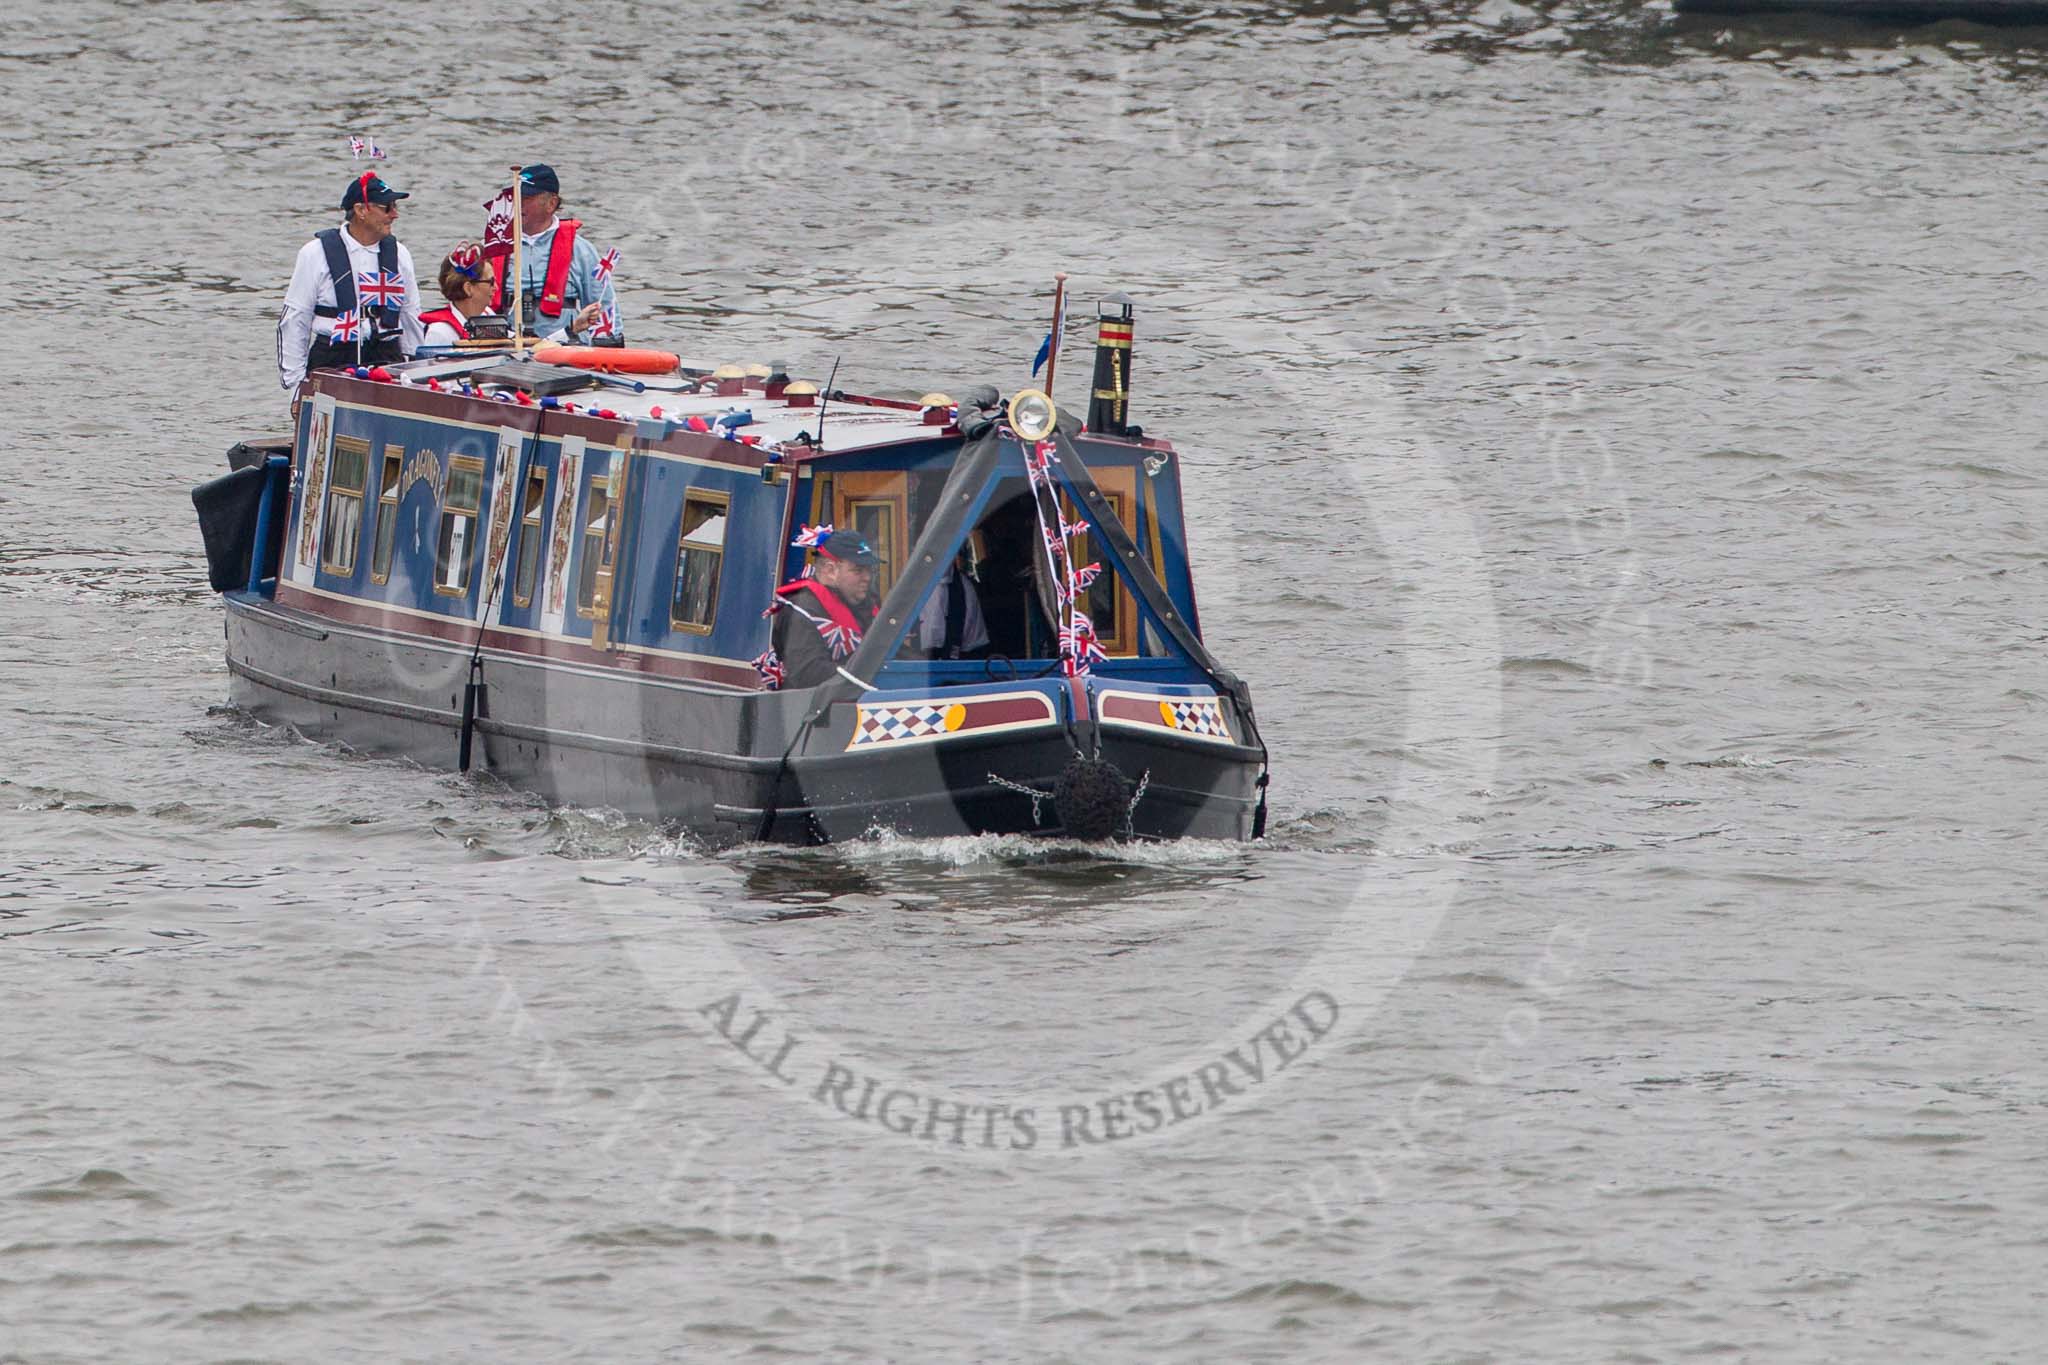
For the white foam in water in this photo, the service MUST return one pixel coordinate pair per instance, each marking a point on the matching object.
(970, 850)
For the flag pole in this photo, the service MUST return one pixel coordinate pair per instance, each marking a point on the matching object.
(518, 270)
(362, 313)
(1059, 304)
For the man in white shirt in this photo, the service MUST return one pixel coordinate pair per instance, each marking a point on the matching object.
(353, 299)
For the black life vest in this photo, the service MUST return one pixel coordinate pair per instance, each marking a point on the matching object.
(383, 321)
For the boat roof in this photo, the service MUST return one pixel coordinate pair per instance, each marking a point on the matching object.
(852, 421)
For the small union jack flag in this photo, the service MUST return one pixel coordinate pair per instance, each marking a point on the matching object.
(362, 147)
(607, 324)
(769, 666)
(807, 537)
(1078, 646)
(1087, 575)
(381, 289)
(841, 640)
(607, 263)
(347, 325)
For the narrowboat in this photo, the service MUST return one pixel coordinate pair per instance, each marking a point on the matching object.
(528, 564)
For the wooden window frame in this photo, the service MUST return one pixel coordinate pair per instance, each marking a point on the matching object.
(885, 577)
(354, 445)
(836, 496)
(1122, 640)
(531, 539)
(448, 509)
(709, 497)
(596, 483)
(387, 514)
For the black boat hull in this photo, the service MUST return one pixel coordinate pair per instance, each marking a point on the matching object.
(703, 756)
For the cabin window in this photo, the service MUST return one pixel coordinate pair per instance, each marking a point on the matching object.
(875, 519)
(1108, 601)
(342, 532)
(528, 567)
(597, 512)
(700, 556)
(455, 548)
(872, 502)
(387, 513)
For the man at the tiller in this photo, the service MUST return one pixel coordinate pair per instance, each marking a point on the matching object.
(819, 620)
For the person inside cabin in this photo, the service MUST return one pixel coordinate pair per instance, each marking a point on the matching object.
(353, 299)
(566, 292)
(467, 279)
(819, 620)
(951, 625)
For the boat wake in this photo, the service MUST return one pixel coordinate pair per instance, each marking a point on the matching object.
(881, 847)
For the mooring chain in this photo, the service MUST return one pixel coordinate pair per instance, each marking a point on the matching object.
(1032, 792)
(1131, 811)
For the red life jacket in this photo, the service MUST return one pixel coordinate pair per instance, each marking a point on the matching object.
(561, 255)
(449, 316)
(842, 628)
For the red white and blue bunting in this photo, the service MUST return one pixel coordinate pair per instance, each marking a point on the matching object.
(1080, 649)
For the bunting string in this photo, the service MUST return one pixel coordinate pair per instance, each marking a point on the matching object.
(1080, 649)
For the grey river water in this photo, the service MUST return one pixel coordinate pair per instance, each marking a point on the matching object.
(1615, 461)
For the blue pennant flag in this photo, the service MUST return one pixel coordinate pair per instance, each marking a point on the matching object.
(1052, 339)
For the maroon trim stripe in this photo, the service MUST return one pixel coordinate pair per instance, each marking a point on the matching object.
(457, 631)
(1131, 709)
(1004, 711)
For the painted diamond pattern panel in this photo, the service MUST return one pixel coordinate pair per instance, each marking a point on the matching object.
(880, 724)
(1200, 717)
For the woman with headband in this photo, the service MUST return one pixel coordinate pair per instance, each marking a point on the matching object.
(467, 278)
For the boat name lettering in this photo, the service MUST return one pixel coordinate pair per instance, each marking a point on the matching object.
(423, 466)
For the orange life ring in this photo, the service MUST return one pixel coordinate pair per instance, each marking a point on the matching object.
(610, 359)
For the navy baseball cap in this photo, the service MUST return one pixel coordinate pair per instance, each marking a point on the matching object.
(540, 179)
(370, 188)
(849, 547)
